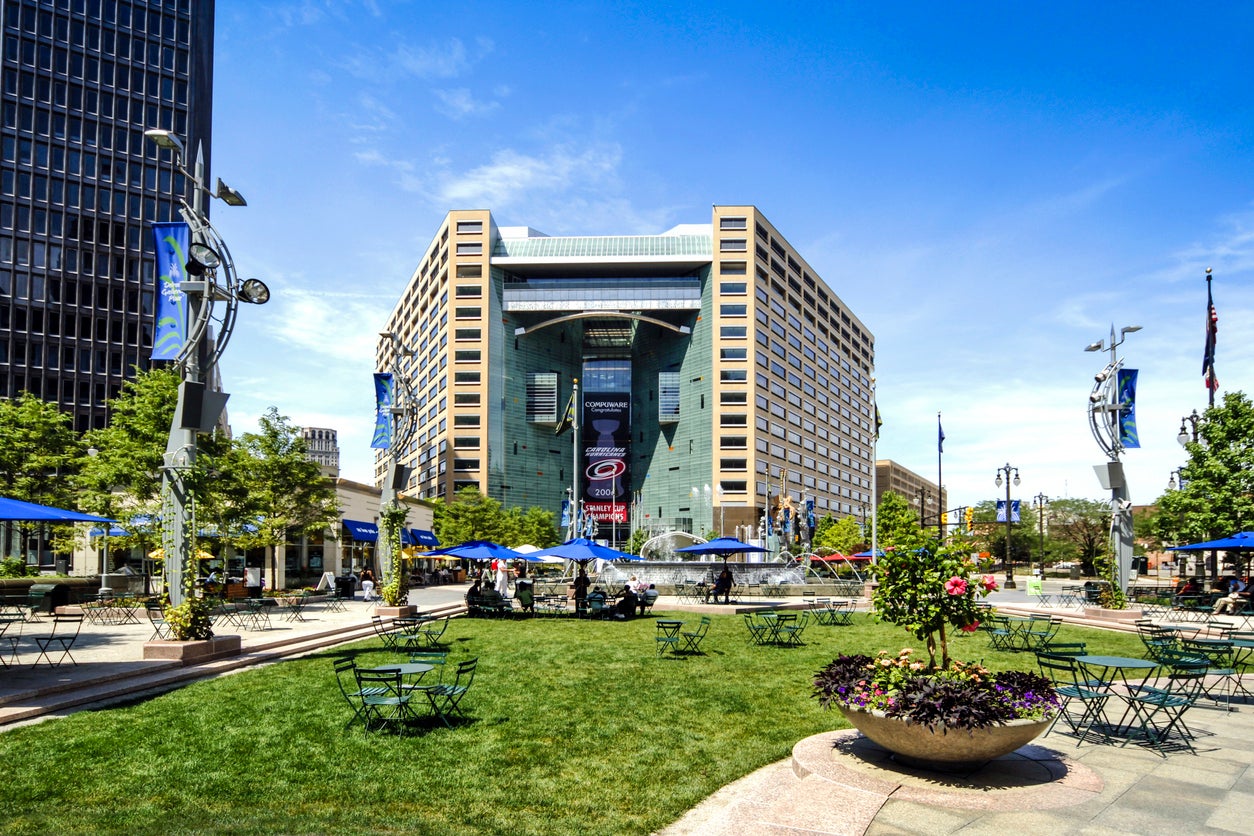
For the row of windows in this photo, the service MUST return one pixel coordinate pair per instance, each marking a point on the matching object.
(38, 120)
(113, 101)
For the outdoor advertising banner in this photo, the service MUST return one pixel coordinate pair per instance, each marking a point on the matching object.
(382, 438)
(172, 240)
(606, 436)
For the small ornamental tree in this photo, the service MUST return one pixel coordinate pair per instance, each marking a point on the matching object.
(930, 589)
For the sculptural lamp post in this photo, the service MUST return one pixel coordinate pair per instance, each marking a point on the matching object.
(206, 278)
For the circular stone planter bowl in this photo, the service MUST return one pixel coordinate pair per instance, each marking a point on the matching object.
(943, 749)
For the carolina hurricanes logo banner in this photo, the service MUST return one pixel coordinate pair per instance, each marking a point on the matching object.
(172, 240)
(606, 435)
(382, 439)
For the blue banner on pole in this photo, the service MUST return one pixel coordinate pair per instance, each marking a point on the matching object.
(172, 240)
(1014, 510)
(1127, 408)
(382, 439)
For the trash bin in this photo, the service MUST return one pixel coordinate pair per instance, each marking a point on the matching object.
(46, 597)
(1075, 572)
(345, 586)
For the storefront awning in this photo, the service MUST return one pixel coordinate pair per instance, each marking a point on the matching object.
(365, 532)
(424, 538)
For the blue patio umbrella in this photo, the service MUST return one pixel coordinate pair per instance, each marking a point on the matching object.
(16, 509)
(723, 547)
(478, 550)
(1242, 543)
(582, 550)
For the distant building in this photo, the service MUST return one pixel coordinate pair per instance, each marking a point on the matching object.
(921, 494)
(716, 372)
(323, 449)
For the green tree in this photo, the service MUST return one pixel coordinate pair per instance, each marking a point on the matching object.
(896, 523)
(636, 541)
(39, 455)
(470, 516)
(39, 452)
(1216, 496)
(285, 491)
(841, 535)
(1085, 525)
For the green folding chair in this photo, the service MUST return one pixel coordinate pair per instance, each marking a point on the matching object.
(446, 699)
(1074, 688)
(692, 639)
(384, 700)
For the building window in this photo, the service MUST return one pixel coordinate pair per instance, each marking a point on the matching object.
(734, 398)
(470, 271)
(463, 465)
(465, 421)
(732, 310)
(467, 334)
(734, 486)
(473, 291)
(466, 442)
(466, 378)
(469, 227)
(737, 465)
(466, 399)
(734, 442)
(668, 397)
(542, 397)
(470, 248)
(734, 375)
(468, 356)
(468, 313)
(732, 245)
(733, 223)
(733, 332)
(733, 420)
(733, 353)
(733, 268)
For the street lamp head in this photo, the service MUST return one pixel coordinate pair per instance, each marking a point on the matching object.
(1129, 329)
(201, 258)
(997, 481)
(1097, 346)
(254, 291)
(1016, 478)
(228, 195)
(165, 139)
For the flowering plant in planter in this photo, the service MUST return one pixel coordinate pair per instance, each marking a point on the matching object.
(962, 696)
(930, 590)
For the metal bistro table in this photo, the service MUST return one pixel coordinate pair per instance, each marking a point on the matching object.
(668, 635)
(407, 669)
(1108, 671)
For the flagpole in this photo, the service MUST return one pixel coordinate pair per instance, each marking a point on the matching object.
(940, 496)
(1212, 329)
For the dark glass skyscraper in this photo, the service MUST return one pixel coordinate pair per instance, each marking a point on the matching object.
(79, 184)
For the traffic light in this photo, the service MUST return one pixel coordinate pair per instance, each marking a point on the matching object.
(970, 519)
(944, 519)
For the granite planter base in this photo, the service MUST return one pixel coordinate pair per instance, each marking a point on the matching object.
(943, 749)
(192, 652)
(394, 612)
(1126, 616)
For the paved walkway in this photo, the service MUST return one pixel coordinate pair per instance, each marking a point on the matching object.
(834, 783)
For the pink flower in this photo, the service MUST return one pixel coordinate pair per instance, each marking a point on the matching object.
(956, 586)
(971, 628)
(989, 583)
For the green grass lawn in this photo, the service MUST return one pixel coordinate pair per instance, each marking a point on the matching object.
(576, 727)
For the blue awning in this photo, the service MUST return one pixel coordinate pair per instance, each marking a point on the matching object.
(366, 532)
(114, 531)
(424, 538)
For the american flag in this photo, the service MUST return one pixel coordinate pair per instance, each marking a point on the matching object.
(1212, 328)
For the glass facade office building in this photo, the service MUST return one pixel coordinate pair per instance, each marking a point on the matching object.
(716, 373)
(80, 185)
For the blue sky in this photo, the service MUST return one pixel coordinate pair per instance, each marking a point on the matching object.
(988, 186)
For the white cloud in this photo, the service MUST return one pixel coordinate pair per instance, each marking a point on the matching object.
(460, 103)
(510, 175)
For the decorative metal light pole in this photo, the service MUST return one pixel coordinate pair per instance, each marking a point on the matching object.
(1008, 470)
(402, 415)
(1106, 408)
(1189, 429)
(1041, 501)
(211, 280)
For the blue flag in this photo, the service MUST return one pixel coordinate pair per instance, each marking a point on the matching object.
(382, 439)
(940, 435)
(172, 241)
(1127, 408)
